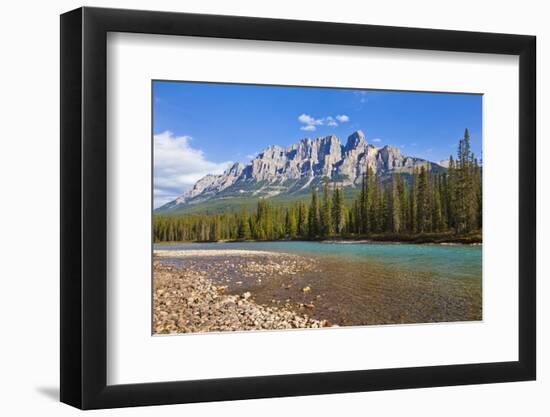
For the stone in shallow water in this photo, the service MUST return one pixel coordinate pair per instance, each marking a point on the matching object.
(198, 305)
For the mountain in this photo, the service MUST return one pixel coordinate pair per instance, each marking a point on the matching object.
(292, 170)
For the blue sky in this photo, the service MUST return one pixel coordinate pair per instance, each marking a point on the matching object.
(200, 128)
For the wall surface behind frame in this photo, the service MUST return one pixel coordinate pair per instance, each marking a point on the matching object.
(29, 165)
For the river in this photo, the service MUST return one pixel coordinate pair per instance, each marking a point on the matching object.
(359, 283)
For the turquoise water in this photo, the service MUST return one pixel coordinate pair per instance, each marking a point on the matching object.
(359, 283)
(446, 261)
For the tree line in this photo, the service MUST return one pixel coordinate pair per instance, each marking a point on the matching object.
(426, 202)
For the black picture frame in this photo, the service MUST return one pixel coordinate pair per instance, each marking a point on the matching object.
(84, 207)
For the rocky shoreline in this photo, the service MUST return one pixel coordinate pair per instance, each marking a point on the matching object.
(187, 301)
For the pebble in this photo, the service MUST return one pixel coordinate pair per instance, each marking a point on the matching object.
(187, 301)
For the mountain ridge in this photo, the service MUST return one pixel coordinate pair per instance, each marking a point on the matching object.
(291, 169)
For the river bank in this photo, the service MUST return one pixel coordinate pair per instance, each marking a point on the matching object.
(185, 300)
(420, 238)
(271, 285)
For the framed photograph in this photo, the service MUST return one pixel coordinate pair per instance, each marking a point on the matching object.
(257, 208)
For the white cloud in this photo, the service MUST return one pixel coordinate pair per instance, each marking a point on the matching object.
(307, 119)
(331, 121)
(309, 122)
(177, 166)
(363, 96)
(162, 197)
(342, 118)
(377, 140)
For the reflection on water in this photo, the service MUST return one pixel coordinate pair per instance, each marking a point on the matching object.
(358, 284)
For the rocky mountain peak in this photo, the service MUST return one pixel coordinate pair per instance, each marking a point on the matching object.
(236, 169)
(356, 140)
(293, 168)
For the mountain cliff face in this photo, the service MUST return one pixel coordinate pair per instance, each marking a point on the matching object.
(295, 168)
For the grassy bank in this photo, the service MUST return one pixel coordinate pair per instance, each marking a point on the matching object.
(448, 237)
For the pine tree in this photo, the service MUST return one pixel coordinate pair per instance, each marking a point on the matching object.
(466, 191)
(404, 204)
(384, 208)
(437, 214)
(414, 203)
(326, 218)
(314, 216)
(478, 194)
(244, 226)
(338, 210)
(452, 204)
(373, 202)
(423, 210)
(395, 204)
(291, 223)
(302, 219)
(443, 199)
(362, 214)
(355, 216)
